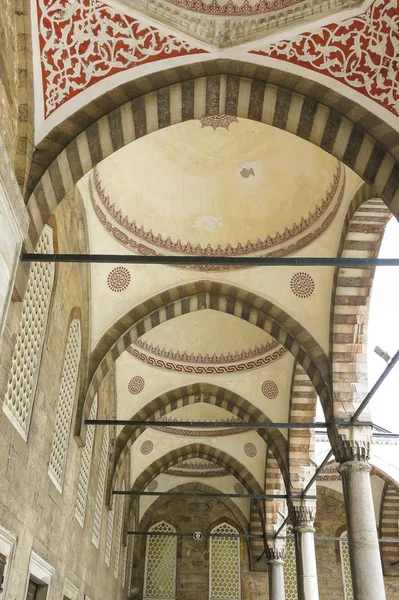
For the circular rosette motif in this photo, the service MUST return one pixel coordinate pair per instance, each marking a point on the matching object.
(146, 447)
(269, 389)
(250, 450)
(118, 279)
(136, 384)
(152, 486)
(239, 488)
(302, 285)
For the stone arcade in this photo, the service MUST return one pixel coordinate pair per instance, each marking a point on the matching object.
(184, 128)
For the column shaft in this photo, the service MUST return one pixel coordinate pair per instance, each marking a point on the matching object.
(276, 580)
(306, 571)
(366, 567)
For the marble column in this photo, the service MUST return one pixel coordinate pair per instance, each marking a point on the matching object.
(275, 565)
(302, 518)
(364, 552)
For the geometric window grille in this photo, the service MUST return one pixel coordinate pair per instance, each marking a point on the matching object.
(290, 582)
(160, 563)
(85, 464)
(225, 564)
(25, 365)
(66, 399)
(98, 508)
(110, 531)
(346, 567)
(119, 532)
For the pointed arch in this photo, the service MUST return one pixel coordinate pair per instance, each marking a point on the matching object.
(351, 302)
(326, 118)
(193, 394)
(198, 450)
(223, 297)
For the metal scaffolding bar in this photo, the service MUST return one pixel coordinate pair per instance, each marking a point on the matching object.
(255, 261)
(212, 424)
(320, 538)
(208, 495)
(377, 384)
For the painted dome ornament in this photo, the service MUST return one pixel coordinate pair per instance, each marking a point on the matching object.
(302, 285)
(136, 384)
(118, 279)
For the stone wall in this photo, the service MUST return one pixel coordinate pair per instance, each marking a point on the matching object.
(31, 508)
(9, 76)
(188, 515)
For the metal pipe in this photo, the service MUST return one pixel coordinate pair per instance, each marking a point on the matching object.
(208, 495)
(211, 424)
(319, 538)
(207, 424)
(315, 474)
(263, 261)
(377, 384)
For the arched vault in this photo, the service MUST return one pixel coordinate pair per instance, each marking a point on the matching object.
(217, 296)
(192, 394)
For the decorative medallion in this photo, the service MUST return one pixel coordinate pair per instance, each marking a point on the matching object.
(85, 41)
(215, 121)
(146, 447)
(302, 285)
(118, 279)
(239, 488)
(136, 384)
(269, 389)
(362, 52)
(152, 486)
(250, 450)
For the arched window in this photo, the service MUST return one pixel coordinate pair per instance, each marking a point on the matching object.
(85, 466)
(224, 564)
(25, 365)
(160, 563)
(69, 379)
(290, 582)
(99, 505)
(346, 567)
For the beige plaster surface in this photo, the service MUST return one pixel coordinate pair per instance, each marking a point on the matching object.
(224, 484)
(207, 332)
(232, 445)
(270, 283)
(246, 384)
(217, 187)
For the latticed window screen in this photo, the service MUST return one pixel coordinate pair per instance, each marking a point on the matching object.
(99, 505)
(25, 365)
(225, 565)
(160, 563)
(290, 582)
(119, 532)
(85, 464)
(66, 399)
(346, 567)
(110, 532)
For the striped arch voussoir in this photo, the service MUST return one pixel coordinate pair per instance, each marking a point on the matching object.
(193, 394)
(218, 296)
(351, 303)
(324, 117)
(206, 452)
